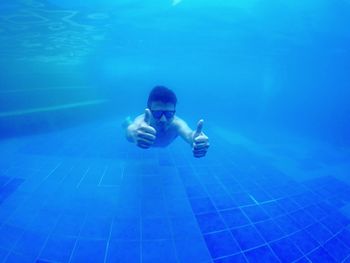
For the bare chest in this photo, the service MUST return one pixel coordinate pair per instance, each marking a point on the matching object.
(164, 138)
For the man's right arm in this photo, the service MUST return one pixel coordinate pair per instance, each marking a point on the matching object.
(131, 129)
(141, 132)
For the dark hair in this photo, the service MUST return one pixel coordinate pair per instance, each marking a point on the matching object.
(163, 94)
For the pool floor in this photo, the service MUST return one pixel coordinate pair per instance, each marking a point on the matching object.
(86, 195)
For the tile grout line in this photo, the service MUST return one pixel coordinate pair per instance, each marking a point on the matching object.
(168, 217)
(286, 236)
(108, 240)
(77, 239)
(251, 223)
(83, 177)
(227, 228)
(103, 175)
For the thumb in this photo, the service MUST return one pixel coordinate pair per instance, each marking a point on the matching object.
(147, 118)
(199, 127)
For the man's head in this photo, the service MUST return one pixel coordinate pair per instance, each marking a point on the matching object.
(162, 104)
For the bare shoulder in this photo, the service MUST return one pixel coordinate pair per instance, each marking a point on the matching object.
(180, 124)
(183, 129)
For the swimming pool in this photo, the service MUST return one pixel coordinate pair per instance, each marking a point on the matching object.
(270, 79)
(83, 195)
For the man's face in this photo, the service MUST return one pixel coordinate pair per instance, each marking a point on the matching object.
(162, 114)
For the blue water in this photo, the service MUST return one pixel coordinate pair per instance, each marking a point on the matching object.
(269, 78)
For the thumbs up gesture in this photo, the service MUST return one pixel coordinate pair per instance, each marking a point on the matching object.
(200, 143)
(145, 134)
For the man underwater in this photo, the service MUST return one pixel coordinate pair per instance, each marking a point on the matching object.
(159, 126)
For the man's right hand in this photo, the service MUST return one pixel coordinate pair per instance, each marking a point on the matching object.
(145, 134)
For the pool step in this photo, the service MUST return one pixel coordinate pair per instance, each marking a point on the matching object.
(36, 110)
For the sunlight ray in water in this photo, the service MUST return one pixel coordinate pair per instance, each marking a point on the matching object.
(52, 108)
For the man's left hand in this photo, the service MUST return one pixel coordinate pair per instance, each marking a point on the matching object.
(200, 141)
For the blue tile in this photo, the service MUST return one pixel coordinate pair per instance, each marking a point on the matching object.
(158, 251)
(287, 225)
(185, 171)
(44, 222)
(234, 218)
(332, 224)
(165, 160)
(215, 189)
(202, 205)
(3, 181)
(285, 250)
(291, 187)
(151, 190)
(155, 228)
(238, 258)
(9, 236)
(124, 252)
(276, 192)
(221, 244)
(336, 249)
(18, 172)
(178, 207)
(132, 208)
(193, 248)
(231, 186)
(210, 222)
(288, 205)
(333, 186)
(196, 191)
(9, 188)
(336, 202)
(344, 236)
(304, 199)
(3, 254)
(242, 199)
(184, 226)
(273, 209)
(69, 225)
(340, 218)
(260, 195)
(255, 213)
(16, 258)
(302, 218)
(304, 241)
(30, 244)
(89, 251)
(320, 255)
(189, 180)
(152, 207)
(126, 229)
(269, 230)
(261, 254)
(316, 212)
(43, 261)
(24, 215)
(96, 227)
(303, 260)
(328, 209)
(319, 232)
(344, 194)
(247, 237)
(58, 248)
(223, 201)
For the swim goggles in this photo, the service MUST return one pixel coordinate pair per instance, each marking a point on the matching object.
(158, 114)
